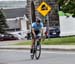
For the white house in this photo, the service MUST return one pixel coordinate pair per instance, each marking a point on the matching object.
(16, 21)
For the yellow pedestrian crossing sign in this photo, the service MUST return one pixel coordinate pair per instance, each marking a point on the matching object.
(44, 8)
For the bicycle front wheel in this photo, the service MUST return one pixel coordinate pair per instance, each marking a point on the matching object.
(38, 51)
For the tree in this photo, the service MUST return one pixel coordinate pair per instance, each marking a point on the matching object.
(67, 6)
(3, 24)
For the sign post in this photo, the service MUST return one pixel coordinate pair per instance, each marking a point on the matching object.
(44, 9)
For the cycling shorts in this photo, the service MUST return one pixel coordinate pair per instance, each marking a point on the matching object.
(36, 33)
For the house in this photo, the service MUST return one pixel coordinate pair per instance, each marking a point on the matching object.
(16, 20)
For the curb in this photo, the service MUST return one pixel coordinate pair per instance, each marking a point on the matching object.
(53, 48)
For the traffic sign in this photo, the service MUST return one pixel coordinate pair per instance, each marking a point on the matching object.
(44, 8)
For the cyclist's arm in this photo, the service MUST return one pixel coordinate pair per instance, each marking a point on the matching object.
(41, 29)
(33, 32)
(33, 25)
(42, 34)
(42, 39)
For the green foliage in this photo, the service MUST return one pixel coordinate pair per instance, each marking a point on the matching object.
(3, 24)
(67, 6)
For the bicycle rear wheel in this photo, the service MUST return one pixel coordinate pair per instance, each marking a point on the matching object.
(38, 50)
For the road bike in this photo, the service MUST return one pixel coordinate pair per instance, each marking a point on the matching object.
(36, 47)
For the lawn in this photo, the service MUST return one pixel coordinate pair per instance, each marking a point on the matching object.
(54, 41)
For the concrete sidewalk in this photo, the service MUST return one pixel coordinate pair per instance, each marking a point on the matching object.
(44, 47)
(9, 45)
(11, 42)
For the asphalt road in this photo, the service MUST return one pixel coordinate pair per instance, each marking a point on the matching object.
(47, 57)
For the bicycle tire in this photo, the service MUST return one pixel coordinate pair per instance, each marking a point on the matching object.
(37, 56)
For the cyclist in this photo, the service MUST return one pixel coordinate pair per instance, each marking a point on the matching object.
(37, 27)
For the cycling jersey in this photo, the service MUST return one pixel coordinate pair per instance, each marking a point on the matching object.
(37, 26)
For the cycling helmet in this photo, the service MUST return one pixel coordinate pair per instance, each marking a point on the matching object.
(38, 20)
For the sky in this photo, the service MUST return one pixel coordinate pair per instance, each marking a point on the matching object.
(12, 0)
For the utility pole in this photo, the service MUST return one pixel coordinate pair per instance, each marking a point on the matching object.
(48, 24)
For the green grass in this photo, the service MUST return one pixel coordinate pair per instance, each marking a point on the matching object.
(24, 43)
(54, 41)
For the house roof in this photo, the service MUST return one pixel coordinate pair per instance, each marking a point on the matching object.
(13, 13)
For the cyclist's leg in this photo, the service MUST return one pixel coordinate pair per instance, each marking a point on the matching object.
(33, 41)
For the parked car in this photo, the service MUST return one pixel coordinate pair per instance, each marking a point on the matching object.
(6, 37)
(1, 37)
(53, 32)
